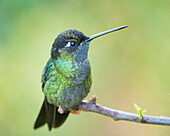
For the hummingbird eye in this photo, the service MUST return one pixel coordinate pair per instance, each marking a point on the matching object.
(72, 43)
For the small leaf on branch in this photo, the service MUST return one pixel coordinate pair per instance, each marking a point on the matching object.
(140, 112)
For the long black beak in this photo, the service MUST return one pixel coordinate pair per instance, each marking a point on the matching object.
(105, 32)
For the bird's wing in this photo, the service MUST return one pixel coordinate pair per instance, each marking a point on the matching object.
(46, 72)
(53, 118)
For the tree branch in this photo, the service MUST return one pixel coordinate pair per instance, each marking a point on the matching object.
(121, 115)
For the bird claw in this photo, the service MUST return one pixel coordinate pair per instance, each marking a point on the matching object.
(91, 101)
(76, 112)
(60, 110)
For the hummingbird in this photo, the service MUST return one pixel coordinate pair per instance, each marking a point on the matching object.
(66, 77)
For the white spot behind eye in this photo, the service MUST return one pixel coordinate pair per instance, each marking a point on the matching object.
(68, 44)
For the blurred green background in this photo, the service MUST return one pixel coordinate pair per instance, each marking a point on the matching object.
(129, 66)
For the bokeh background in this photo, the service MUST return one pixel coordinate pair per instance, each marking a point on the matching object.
(129, 66)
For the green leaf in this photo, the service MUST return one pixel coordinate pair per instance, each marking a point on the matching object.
(136, 107)
(144, 111)
(139, 110)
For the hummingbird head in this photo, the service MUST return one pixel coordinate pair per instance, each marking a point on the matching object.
(70, 43)
(74, 44)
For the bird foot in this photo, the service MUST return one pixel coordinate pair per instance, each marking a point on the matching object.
(60, 110)
(91, 101)
(76, 112)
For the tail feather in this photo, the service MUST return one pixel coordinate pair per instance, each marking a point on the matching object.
(49, 114)
(41, 119)
(60, 118)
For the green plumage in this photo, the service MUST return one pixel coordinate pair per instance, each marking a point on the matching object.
(61, 88)
(66, 78)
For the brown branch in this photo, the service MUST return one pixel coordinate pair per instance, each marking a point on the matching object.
(121, 115)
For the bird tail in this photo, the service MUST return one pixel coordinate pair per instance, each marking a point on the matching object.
(49, 114)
